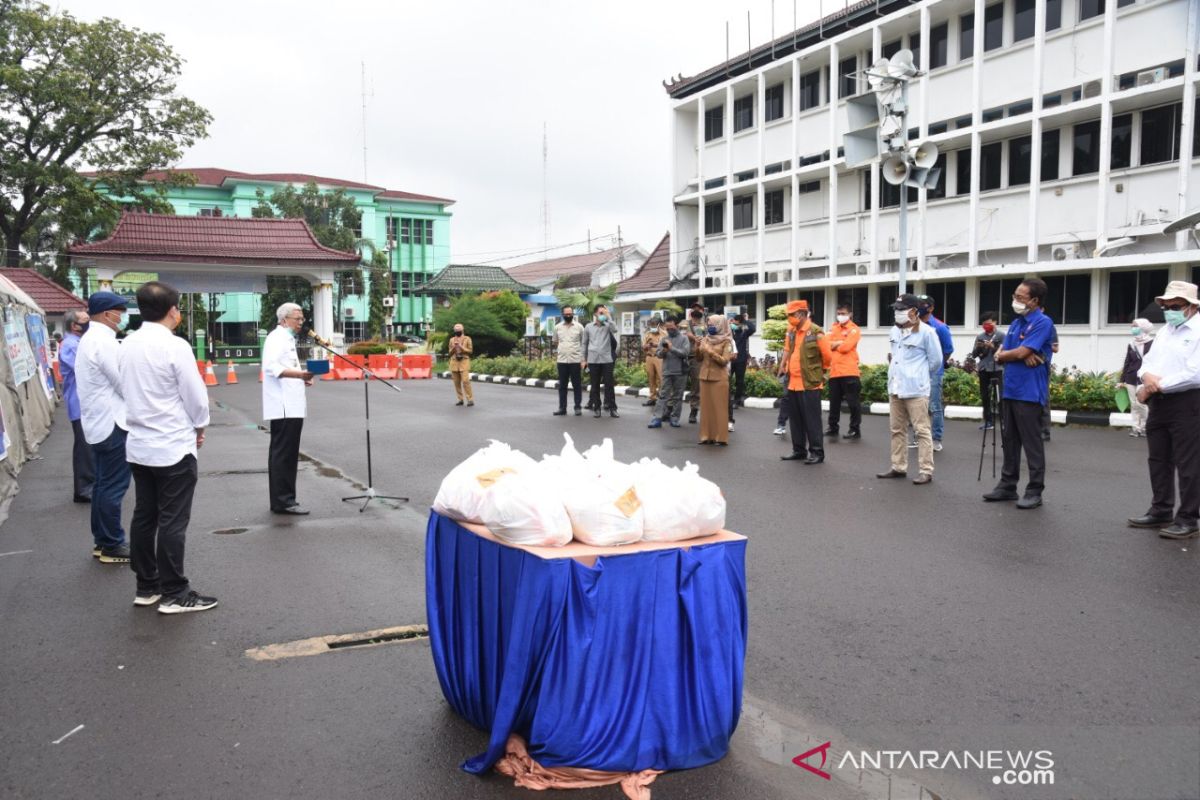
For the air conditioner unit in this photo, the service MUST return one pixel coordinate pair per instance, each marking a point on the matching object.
(1149, 76)
(862, 269)
(1091, 89)
(1063, 252)
(348, 313)
(389, 302)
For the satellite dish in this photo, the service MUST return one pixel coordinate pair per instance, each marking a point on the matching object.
(924, 155)
(877, 72)
(901, 65)
(895, 170)
(1184, 223)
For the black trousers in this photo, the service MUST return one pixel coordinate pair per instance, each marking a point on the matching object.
(986, 381)
(158, 531)
(804, 415)
(738, 379)
(1173, 439)
(282, 461)
(574, 374)
(1021, 429)
(602, 373)
(848, 388)
(82, 462)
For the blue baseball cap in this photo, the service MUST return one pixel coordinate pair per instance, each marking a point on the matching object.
(100, 302)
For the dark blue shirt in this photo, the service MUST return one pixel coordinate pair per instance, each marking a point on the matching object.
(1031, 384)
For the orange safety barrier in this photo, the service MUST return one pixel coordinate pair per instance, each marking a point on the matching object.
(260, 373)
(231, 375)
(210, 377)
(384, 366)
(345, 372)
(417, 365)
(200, 366)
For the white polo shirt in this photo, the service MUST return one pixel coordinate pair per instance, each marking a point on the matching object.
(98, 378)
(283, 398)
(165, 398)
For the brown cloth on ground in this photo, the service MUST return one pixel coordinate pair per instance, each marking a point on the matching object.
(520, 766)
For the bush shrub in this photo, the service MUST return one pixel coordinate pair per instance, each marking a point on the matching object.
(370, 348)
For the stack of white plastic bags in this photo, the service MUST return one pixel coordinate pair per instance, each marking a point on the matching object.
(588, 496)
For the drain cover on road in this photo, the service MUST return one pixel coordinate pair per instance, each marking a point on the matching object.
(231, 530)
(324, 644)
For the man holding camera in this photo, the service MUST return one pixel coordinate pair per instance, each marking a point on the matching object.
(990, 374)
(461, 348)
(650, 341)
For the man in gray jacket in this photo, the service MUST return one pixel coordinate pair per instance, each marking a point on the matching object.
(674, 351)
(599, 347)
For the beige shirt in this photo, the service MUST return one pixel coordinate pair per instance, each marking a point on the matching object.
(568, 340)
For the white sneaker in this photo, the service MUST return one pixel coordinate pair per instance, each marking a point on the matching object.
(912, 445)
(781, 430)
(731, 427)
(146, 599)
(192, 601)
(937, 447)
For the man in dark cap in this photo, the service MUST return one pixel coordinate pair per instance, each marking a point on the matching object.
(102, 415)
(914, 362)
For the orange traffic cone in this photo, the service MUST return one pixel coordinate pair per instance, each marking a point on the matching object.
(231, 375)
(260, 373)
(210, 377)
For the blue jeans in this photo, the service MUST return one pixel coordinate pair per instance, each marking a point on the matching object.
(937, 412)
(112, 481)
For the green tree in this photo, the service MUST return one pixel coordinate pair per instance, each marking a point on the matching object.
(379, 288)
(586, 301)
(490, 319)
(668, 306)
(75, 93)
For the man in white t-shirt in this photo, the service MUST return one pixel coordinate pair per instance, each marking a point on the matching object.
(284, 406)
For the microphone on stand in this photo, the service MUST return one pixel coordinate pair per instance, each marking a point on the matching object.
(323, 342)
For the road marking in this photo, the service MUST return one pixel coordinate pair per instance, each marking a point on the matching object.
(323, 644)
(15, 553)
(72, 732)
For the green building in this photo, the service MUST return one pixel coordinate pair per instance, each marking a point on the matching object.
(414, 230)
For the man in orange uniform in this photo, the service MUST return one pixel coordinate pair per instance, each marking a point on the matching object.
(844, 377)
(806, 357)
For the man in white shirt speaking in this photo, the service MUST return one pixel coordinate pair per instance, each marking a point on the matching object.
(284, 406)
(166, 407)
(102, 414)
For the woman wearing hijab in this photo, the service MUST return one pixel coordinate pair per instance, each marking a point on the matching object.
(714, 352)
(1143, 336)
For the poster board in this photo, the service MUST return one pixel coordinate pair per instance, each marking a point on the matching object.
(627, 323)
(35, 327)
(16, 339)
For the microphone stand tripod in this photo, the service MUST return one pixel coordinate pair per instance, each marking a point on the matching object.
(368, 376)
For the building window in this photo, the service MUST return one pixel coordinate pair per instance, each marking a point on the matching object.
(847, 79)
(743, 113)
(810, 90)
(889, 195)
(816, 304)
(966, 36)
(866, 184)
(714, 123)
(939, 45)
(714, 218)
(1130, 292)
(1020, 151)
(773, 104)
(856, 298)
(714, 183)
(1053, 15)
(743, 212)
(1196, 131)
(962, 172)
(1090, 8)
(887, 296)
(914, 46)
(772, 207)
(1050, 140)
(748, 175)
(747, 279)
(992, 114)
(891, 48)
(996, 296)
(1122, 141)
(993, 27)
(808, 188)
(773, 299)
(1069, 298)
(1023, 14)
(1160, 134)
(778, 166)
(1023, 107)
(950, 301)
(405, 230)
(938, 190)
(1086, 156)
(428, 231)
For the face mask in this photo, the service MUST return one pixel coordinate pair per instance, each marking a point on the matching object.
(83, 328)
(568, 317)
(1019, 308)
(843, 318)
(1135, 332)
(602, 317)
(901, 319)
(734, 326)
(1174, 317)
(458, 333)
(988, 327)
(712, 330)
(295, 334)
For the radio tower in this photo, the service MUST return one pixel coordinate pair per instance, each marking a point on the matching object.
(545, 196)
(363, 65)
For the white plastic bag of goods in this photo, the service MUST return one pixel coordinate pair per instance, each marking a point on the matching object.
(602, 502)
(464, 489)
(526, 508)
(677, 504)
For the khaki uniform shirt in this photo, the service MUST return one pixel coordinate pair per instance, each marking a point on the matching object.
(460, 361)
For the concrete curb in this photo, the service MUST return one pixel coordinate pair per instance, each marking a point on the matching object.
(1058, 417)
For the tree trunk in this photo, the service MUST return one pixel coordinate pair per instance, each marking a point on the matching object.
(12, 252)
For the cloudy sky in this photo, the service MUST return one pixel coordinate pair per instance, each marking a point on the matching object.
(458, 92)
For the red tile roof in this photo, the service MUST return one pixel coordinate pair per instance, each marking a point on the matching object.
(538, 272)
(215, 176)
(52, 298)
(213, 240)
(655, 274)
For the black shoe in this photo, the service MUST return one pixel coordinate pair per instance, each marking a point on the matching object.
(1177, 531)
(692, 416)
(831, 433)
(459, 403)
(1045, 437)
(650, 403)
(1029, 501)
(596, 413)
(922, 479)
(1149, 521)
(470, 402)
(999, 495)
(295, 510)
(612, 412)
(814, 460)
(115, 555)
(891, 473)
(853, 434)
(794, 457)
(192, 601)
(82, 498)
(578, 411)
(562, 412)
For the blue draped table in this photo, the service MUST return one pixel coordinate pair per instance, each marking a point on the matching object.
(602, 661)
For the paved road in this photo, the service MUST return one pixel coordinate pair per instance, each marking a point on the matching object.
(884, 616)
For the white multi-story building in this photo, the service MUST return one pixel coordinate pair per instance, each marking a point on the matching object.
(1068, 140)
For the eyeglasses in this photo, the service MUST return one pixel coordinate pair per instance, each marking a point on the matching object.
(1167, 307)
